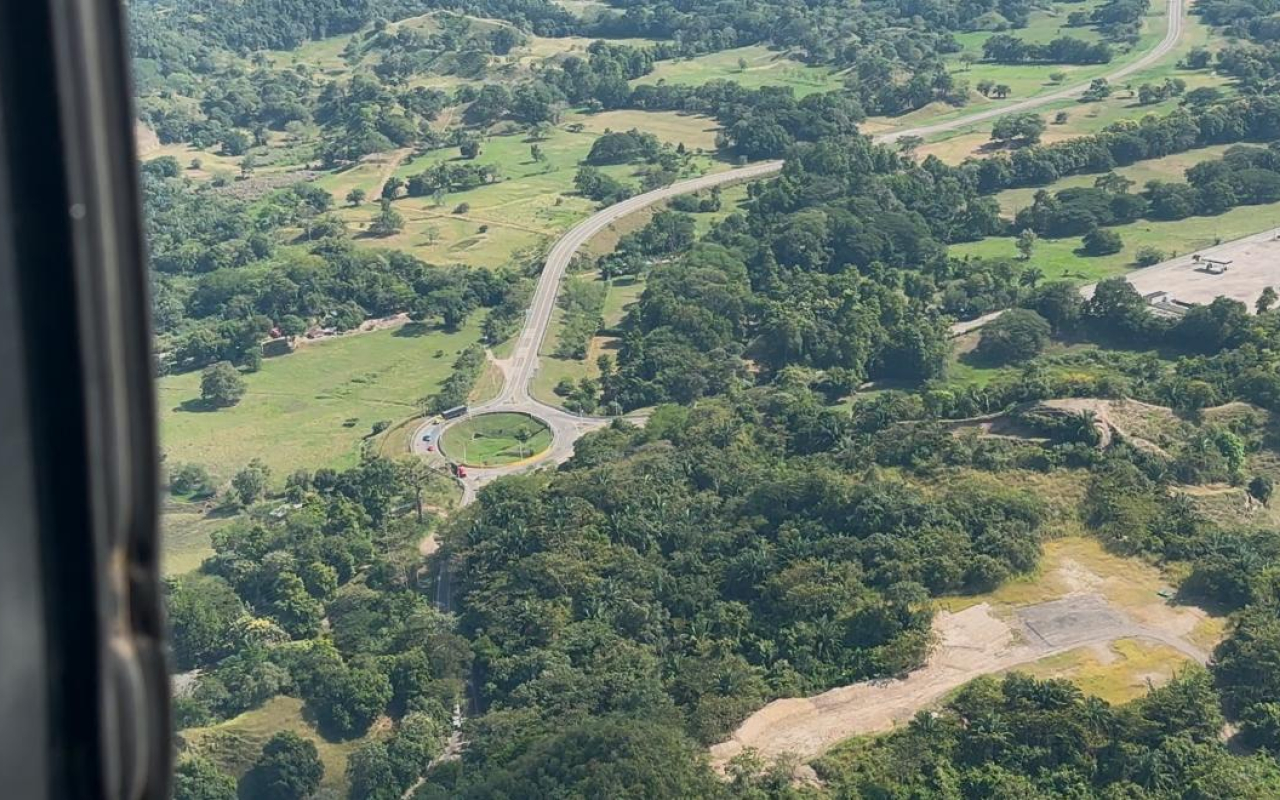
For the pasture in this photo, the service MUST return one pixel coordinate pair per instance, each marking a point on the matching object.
(236, 743)
(531, 203)
(1058, 259)
(752, 67)
(312, 408)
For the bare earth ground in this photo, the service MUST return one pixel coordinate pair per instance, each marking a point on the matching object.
(1090, 610)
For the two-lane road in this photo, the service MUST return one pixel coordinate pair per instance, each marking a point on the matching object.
(1175, 13)
(519, 370)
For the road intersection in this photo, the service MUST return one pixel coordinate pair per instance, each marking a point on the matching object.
(520, 368)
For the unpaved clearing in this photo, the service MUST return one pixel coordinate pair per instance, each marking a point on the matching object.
(1091, 610)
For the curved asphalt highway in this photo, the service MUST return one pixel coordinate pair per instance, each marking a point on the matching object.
(1175, 14)
(521, 367)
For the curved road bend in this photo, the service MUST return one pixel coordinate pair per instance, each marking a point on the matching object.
(1175, 14)
(519, 369)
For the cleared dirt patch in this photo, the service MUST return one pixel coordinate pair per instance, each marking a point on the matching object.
(1083, 598)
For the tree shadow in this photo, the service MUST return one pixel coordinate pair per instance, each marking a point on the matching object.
(412, 330)
(196, 405)
(975, 359)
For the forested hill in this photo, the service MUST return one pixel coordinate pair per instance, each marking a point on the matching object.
(285, 24)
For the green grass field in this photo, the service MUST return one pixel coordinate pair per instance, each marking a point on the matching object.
(696, 132)
(236, 743)
(1169, 168)
(1043, 26)
(764, 67)
(297, 408)
(1058, 260)
(1083, 118)
(620, 295)
(491, 440)
(186, 533)
(514, 218)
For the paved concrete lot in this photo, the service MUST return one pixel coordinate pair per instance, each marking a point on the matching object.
(1072, 621)
(1255, 264)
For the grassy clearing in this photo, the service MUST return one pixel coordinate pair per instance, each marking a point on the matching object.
(695, 131)
(620, 295)
(186, 537)
(963, 370)
(366, 175)
(491, 440)
(1083, 118)
(1124, 670)
(586, 9)
(1043, 26)
(235, 744)
(1026, 80)
(1169, 168)
(764, 67)
(511, 220)
(1075, 563)
(1058, 260)
(297, 407)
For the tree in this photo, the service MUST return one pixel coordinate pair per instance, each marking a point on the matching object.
(1261, 488)
(1197, 58)
(1102, 242)
(356, 196)
(221, 385)
(190, 479)
(236, 143)
(1026, 243)
(419, 738)
(369, 773)
(202, 613)
(910, 144)
(1018, 334)
(1099, 89)
(196, 778)
(1266, 300)
(537, 154)
(470, 149)
(1148, 256)
(288, 769)
(391, 189)
(348, 700)
(1113, 182)
(417, 475)
(387, 222)
(607, 757)
(250, 483)
(1022, 129)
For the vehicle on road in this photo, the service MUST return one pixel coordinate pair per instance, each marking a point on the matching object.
(461, 471)
(431, 448)
(454, 412)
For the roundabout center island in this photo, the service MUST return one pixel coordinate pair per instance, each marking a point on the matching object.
(495, 440)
